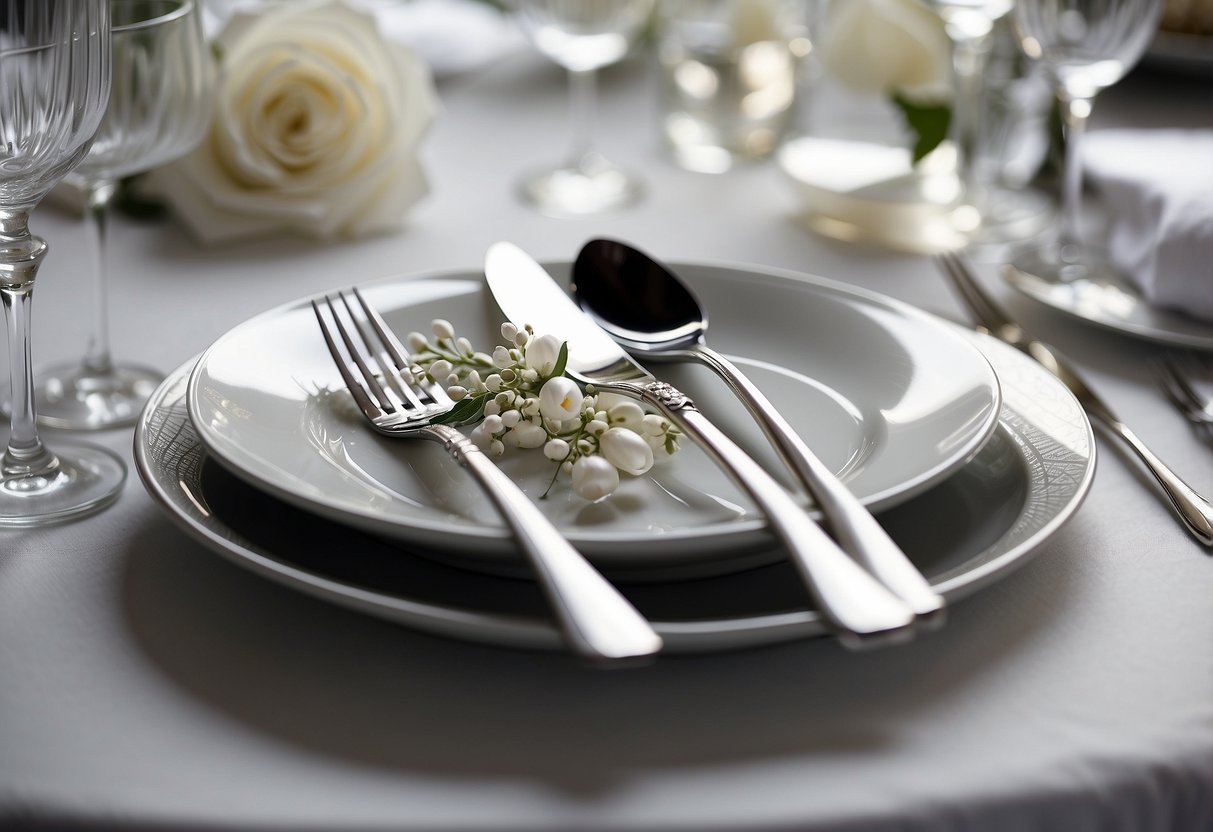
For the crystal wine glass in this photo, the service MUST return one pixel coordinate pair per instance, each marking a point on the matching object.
(582, 36)
(158, 110)
(1085, 46)
(55, 79)
(987, 214)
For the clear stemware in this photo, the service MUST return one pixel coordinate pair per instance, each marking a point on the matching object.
(1085, 46)
(55, 71)
(987, 215)
(582, 36)
(159, 109)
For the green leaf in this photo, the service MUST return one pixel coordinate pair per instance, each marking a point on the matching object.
(561, 360)
(928, 122)
(466, 410)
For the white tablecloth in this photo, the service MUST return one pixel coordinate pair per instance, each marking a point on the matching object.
(147, 683)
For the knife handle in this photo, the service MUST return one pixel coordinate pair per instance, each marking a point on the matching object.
(860, 609)
(850, 522)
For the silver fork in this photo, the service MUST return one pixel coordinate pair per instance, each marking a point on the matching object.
(597, 621)
(1193, 510)
(1177, 383)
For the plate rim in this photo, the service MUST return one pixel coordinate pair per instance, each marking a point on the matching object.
(1026, 284)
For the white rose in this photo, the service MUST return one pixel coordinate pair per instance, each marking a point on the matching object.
(315, 129)
(878, 46)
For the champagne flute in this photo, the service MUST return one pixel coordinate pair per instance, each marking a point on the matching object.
(1085, 46)
(987, 214)
(158, 110)
(582, 36)
(55, 71)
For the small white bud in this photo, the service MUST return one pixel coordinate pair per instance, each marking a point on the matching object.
(493, 424)
(496, 448)
(464, 346)
(442, 328)
(501, 358)
(556, 450)
(508, 331)
(596, 427)
(456, 392)
(416, 342)
(440, 368)
(511, 418)
(594, 478)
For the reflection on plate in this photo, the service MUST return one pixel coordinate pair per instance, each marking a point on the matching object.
(1114, 305)
(890, 399)
(964, 533)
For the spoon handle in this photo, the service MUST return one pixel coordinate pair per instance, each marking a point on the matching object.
(851, 524)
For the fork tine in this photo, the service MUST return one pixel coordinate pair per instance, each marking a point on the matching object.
(368, 374)
(368, 407)
(396, 350)
(384, 341)
(961, 278)
(399, 354)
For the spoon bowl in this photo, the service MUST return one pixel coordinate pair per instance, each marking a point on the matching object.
(643, 305)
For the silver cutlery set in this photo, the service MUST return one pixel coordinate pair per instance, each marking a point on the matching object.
(622, 304)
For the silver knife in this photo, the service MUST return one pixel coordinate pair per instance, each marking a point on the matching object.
(861, 610)
(1193, 510)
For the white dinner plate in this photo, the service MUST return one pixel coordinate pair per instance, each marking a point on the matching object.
(1116, 305)
(890, 399)
(964, 533)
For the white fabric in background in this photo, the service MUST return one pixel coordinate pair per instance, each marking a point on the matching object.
(1158, 186)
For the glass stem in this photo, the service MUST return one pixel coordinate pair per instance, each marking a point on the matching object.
(98, 359)
(20, 255)
(583, 93)
(969, 58)
(1074, 113)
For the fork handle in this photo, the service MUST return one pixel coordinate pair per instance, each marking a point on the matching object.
(597, 620)
(860, 609)
(852, 525)
(1193, 510)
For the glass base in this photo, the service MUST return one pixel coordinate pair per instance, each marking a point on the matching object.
(592, 187)
(1065, 263)
(1001, 218)
(73, 397)
(86, 479)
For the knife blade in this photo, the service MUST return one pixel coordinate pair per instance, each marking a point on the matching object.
(1192, 510)
(860, 610)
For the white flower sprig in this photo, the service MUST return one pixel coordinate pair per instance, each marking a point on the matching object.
(522, 399)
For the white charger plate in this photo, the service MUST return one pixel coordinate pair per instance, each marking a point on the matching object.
(890, 399)
(965, 533)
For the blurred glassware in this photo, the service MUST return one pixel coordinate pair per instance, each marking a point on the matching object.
(854, 160)
(729, 72)
(987, 214)
(582, 36)
(160, 100)
(55, 62)
(1084, 46)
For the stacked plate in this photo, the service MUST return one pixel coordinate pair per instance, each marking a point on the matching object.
(971, 454)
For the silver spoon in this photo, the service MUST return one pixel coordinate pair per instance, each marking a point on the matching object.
(647, 309)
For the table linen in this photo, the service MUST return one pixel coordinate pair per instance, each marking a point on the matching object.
(147, 684)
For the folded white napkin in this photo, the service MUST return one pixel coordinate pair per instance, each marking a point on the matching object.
(1158, 186)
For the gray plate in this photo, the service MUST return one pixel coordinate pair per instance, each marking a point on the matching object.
(964, 533)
